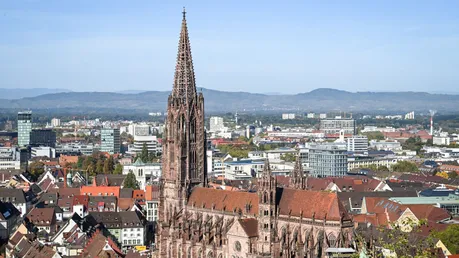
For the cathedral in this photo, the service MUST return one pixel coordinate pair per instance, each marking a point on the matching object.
(197, 221)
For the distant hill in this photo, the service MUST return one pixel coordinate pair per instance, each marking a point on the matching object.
(221, 101)
(27, 93)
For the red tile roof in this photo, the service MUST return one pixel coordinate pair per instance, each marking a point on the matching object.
(100, 190)
(309, 204)
(223, 200)
(250, 226)
(41, 216)
(151, 192)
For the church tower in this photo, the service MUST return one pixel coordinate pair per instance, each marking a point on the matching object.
(297, 178)
(267, 209)
(184, 152)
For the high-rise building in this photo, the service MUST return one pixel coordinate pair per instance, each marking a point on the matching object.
(55, 122)
(24, 128)
(110, 140)
(216, 124)
(327, 160)
(43, 137)
(333, 126)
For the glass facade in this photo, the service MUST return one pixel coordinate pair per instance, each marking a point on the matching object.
(24, 128)
(110, 140)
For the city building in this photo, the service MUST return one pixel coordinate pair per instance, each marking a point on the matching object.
(219, 223)
(139, 129)
(216, 124)
(441, 140)
(24, 128)
(55, 122)
(9, 217)
(43, 152)
(10, 158)
(357, 144)
(43, 137)
(409, 116)
(151, 141)
(152, 202)
(16, 197)
(144, 172)
(110, 140)
(243, 169)
(327, 160)
(288, 116)
(385, 145)
(334, 126)
(74, 149)
(311, 115)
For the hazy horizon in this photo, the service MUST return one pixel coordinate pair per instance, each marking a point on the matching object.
(259, 46)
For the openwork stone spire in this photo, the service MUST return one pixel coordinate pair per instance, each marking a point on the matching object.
(297, 178)
(184, 81)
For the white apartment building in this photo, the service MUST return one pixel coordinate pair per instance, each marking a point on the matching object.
(216, 124)
(385, 145)
(243, 169)
(288, 116)
(388, 162)
(144, 172)
(441, 140)
(151, 141)
(55, 122)
(357, 144)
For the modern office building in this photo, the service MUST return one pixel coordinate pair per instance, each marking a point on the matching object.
(357, 144)
(216, 124)
(43, 152)
(110, 140)
(43, 137)
(9, 158)
(151, 141)
(24, 128)
(327, 160)
(334, 126)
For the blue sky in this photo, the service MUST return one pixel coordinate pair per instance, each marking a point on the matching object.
(255, 46)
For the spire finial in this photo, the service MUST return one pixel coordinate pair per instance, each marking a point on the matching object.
(184, 12)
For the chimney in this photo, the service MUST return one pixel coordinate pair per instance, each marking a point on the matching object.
(94, 183)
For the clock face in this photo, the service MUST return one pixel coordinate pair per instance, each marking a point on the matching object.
(237, 246)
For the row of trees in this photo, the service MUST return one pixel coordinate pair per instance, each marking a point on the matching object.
(98, 164)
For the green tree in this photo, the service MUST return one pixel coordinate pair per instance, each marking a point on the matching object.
(131, 181)
(450, 238)
(111, 163)
(118, 169)
(144, 154)
(36, 169)
(374, 136)
(404, 166)
(152, 157)
(80, 162)
(99, 167)
(107, 169)
(452, 175)
(289, 157)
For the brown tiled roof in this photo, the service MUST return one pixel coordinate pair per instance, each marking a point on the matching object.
(68, 191)
(96, 244)
(125, 204)
(428, 212)
(151, 192)
(250, 226)
(138, 194)
(321, 205)
(223, 200)
(41, 216)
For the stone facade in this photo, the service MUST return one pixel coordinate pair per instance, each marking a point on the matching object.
(196, 221)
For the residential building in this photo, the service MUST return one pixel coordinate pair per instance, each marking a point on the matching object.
(43, 152)
(150, 141)
(278, 154)
(140, 130)
(327, 160)
(55, 122)
(144, 172)
(24, 128)
(322, 116)
(311, 115)
(243, 169)
(152, 202)
(216, 124)
(44, 219)
(9, 217)
(334, 126)
(386, 145)
(16, 197)
(43, 137)
(10, 158)
(353, 163)
(441, 140)
(110, 140)
(357, 144)
(409, 116)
